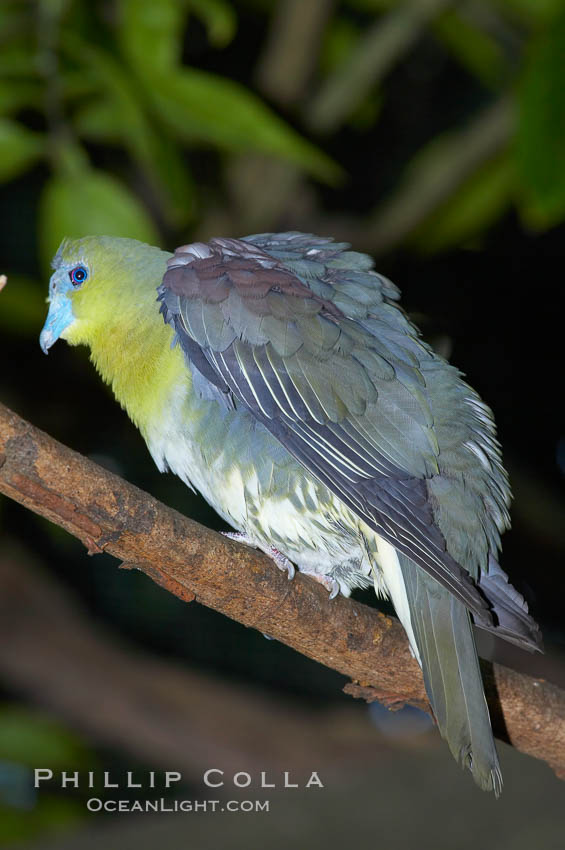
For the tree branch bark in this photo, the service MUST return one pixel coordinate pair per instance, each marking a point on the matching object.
(193, 562)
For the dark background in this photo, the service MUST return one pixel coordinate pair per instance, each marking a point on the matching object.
(441, 153)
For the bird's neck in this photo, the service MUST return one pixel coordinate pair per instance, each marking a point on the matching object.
(130, 345)
(141, 367)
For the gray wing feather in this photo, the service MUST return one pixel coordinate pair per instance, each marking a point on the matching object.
(263, 319)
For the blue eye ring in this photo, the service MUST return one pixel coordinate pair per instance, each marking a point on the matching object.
(78, 275)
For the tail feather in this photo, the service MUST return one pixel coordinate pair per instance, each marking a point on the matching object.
(444, 637)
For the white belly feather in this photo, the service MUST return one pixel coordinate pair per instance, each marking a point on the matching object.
(312, 541)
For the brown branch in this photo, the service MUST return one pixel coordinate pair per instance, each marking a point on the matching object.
(192, 562)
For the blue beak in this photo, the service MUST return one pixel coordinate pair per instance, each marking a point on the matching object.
(59, 317)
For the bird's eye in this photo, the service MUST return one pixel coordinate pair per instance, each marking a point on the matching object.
(78, 275)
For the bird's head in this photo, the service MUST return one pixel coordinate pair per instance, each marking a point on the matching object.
(95, 280)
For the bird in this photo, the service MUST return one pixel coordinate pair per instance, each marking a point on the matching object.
(278, 375)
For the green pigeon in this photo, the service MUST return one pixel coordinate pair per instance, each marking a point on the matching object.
(278, 375)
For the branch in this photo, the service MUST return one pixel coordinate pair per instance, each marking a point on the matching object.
(108, 514)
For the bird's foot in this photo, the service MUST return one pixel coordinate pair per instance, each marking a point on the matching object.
(331, 584)
(280, 560)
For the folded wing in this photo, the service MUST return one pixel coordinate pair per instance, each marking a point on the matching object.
(305, 335)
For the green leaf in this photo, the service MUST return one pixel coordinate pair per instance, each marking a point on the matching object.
(117, 116)
(19, 148)
(178, 195)
(115, 110)
(90, 203)
(204, 107)
(540, 142)
(100, 119)
(477, 205)
(340, 39)
(219, 19)
(159, 157)
(78, 83)
(475, 49)
(150, 33)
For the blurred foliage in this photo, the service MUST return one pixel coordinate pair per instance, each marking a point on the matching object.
(102, 94)
(29, 739)
(98, 193)
(478, 204)
(86, 76)
(541, 130)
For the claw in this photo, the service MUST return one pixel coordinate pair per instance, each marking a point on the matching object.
(280, 560)
(331, 584)
(335, 588)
